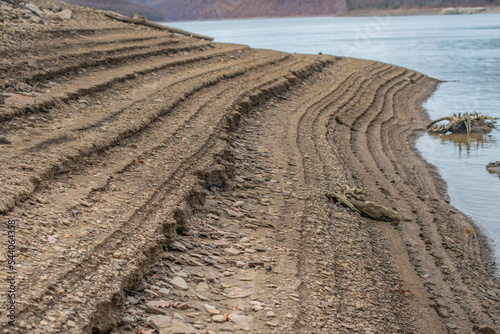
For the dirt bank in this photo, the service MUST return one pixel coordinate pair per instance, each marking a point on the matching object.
(161, 183)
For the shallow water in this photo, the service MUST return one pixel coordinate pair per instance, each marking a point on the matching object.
(462, 50)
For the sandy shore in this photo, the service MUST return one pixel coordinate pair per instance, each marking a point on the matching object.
(166, 184)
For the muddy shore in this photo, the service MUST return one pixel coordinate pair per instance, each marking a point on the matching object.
(167, 184)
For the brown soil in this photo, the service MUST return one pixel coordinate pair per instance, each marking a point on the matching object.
(148, 156)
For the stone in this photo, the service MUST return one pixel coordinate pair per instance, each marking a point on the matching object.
(376, 211)
(257, 308)
(66, 14)
(241, 319)
(201, 297)
(34, 9)
(270, 314)
(164, 292)
(211, 309)
(202, 287)
(493, 167)
(4, 140)
(233, 213)
(219, 318)
(19, 100)
(179, 283)
(238, 204)
(232, 251)
(159, 321)
(178, 327)
(486, 330)
(237, 292)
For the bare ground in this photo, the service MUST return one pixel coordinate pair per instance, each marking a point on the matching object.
(147, 161)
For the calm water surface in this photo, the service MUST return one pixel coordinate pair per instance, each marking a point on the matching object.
(462, 50)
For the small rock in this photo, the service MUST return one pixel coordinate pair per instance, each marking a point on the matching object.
(33, 64)
(164, 292)
(4, 140)
(201, 297)
(159, 321)
(486, 330)
(232, 251)
(179, 327)
(241, 319)
(219, 318)
(237, 292)
(178, 246)
(270, 314)
(179, 283)
(272, 324)
(65, 14)
(34, 9)
(211, 309)
(19, 100)
(202, 287)
(233, 213)
(238, 204)
(257, 308)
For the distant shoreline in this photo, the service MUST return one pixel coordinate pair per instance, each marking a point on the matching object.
(408, 12)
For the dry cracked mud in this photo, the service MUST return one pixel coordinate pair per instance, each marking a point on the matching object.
(166, 184)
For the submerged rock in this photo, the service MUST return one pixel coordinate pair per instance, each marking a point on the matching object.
(493, 167)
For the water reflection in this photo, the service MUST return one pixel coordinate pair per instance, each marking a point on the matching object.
(466, 142)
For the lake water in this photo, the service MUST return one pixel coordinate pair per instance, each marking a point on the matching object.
(462, 50)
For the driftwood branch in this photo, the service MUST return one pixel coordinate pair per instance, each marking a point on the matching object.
(439, 120)
(142, 21)
(464, 123)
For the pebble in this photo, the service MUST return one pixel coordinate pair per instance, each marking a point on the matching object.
(218, 318)
(486, 330)
(238, 204)
(164, 292)
(211, 309)
(4, 140)
(237, 292)
(202, 287)
(257, 308)
(179, 327)
(270, 314)
(159, 321)
(232, 251)
(19, 100)
(179, 283)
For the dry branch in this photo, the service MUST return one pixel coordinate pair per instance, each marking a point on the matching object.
(143, 21)
(466, 123)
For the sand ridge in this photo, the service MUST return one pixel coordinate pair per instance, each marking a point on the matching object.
(129, 148)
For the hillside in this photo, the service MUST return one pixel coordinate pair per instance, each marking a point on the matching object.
(181, 10)
(407, 4)
(121, 6)
(185, 10)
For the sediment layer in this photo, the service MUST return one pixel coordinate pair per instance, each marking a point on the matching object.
(130, 130)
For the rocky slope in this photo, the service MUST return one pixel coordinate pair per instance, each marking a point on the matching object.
(166, 184)
(184, 10)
